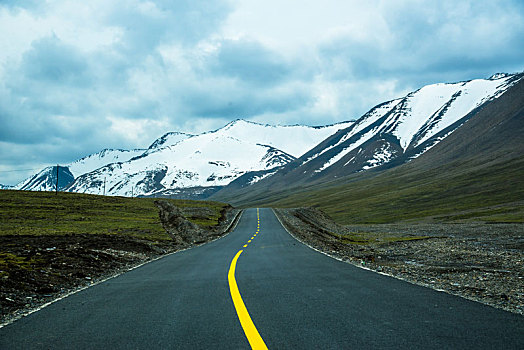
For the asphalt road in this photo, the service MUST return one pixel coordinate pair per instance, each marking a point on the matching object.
(297, 299)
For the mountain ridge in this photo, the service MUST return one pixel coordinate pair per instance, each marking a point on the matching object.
(209, 159)
(45, 180)
(474, 173)
(245, 154)
(236, 148)
(390, 134)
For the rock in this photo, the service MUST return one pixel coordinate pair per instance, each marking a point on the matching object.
(175, 223)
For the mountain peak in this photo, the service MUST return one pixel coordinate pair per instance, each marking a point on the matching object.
(238, 122)
(169, 139)
(399, 130)
(205, 160)
(498, 76)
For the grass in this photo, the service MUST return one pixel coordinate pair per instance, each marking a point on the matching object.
(9, 260)
(44, 213)
(491, 193)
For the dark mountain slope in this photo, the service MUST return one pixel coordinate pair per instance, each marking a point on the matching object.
(476, 172)
(390, 134)
(46, 179)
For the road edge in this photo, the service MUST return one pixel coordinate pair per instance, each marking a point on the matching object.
(227, 231)
(383, 273)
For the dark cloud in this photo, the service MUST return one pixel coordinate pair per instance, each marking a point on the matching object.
(47, 86)
(50, 61)
(245, 103)
(153, 23)
(251, 63)
(244, 79)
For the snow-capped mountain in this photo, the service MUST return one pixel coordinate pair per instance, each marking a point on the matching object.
(169, 139)
(390, 133)
(244, 153)
(409, 125)
(45, 180)
(293, 139)
(208, 160)
(97, 160)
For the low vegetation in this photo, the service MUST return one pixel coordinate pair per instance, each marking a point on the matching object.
(362, 238)
(45, 213)
(491, 194)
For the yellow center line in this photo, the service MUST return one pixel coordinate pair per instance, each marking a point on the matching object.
(245, 245)
(249, 241)
(251, 332)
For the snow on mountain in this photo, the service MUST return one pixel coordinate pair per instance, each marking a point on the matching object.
(435, 107)
(180, 160)
(104, 157)
(169, 139)
(364, 122)
(210, 159)
(293, 139)
(412, 121)
(45, 180)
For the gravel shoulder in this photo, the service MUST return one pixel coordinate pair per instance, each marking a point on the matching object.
(481, 262)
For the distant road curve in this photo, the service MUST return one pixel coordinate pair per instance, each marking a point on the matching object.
(296, 298)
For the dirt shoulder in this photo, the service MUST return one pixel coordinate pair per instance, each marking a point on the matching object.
(35, 270)
(481, 262)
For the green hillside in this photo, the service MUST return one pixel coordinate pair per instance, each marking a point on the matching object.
(476, 173)
(45, 213)
(490, 194)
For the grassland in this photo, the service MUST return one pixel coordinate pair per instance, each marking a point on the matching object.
(45, 213)
(490, 194)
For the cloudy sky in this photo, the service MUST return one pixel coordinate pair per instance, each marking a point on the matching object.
(80, 76)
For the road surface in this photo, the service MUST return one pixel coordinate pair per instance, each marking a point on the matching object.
(295, 297)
